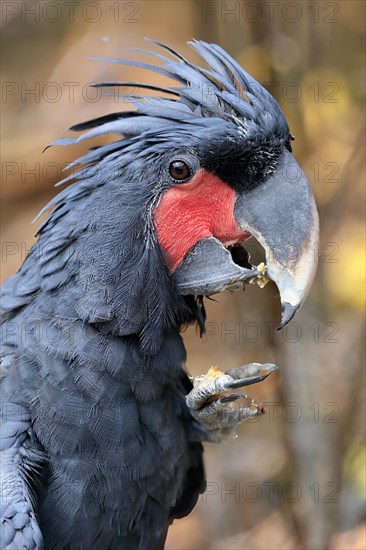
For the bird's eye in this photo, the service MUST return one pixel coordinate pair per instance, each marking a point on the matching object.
(179, 170)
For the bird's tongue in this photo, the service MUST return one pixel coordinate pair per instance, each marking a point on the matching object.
(189, 212)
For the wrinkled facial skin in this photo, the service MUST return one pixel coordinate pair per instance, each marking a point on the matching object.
(226, 197)
(200, 208)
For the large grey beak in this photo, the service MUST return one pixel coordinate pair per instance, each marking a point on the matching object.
(281, 214)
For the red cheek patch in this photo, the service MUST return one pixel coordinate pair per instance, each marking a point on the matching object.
(188, 212)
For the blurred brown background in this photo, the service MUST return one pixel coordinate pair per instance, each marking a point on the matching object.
(296, 477)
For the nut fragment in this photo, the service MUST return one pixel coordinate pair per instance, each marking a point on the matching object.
(260, 280)
(261, 268)
(211, 374)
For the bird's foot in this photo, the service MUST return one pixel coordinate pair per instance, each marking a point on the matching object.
(220, 410)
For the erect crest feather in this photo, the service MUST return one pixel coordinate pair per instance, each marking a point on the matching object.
(222, 91)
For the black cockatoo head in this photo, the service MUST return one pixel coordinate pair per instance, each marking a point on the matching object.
(194, 175)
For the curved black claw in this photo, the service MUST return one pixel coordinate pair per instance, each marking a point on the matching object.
(243, 376)
(220, 411)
